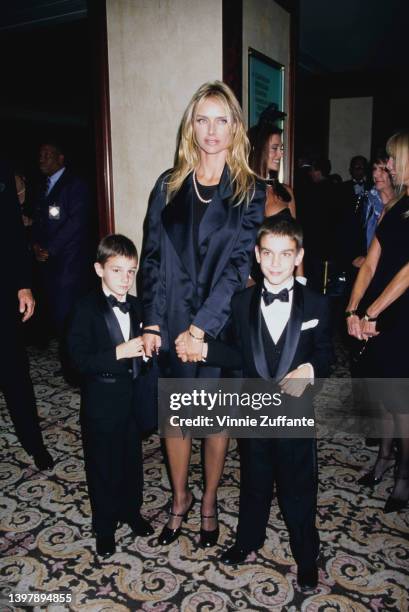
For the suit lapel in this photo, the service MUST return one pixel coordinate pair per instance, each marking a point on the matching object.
(293, 333)
(114, 329)
(177, 218)
(256, 337)
(134, 333)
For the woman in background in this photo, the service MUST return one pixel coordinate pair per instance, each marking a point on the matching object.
(382, 284)
(266, 153)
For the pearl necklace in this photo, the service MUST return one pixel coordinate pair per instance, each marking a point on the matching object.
(197, 190)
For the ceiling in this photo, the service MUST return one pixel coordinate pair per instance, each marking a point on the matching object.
(353, 35)
(21, 14)
(335, 36)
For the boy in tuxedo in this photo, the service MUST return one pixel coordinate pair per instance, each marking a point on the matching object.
(282, 333)
(105, 345)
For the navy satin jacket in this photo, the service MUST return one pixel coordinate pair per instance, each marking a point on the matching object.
(174, 293)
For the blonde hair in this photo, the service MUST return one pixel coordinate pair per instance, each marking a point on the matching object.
(398, 148)
(187, 156)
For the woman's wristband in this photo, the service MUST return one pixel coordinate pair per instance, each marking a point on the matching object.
(197, 338)
(151, 331)
(350, 313)
(370, 319)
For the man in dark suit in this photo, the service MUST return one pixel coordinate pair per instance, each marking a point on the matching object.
(359, 183)
(16, 306)
(61, 237)
(282, 331)
(350, 237)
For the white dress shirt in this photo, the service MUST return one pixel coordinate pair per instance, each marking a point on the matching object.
(51, 180)
(277, 314)
(123, 317)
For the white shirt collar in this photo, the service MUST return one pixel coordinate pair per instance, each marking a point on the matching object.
(288, 284)
(54, 177)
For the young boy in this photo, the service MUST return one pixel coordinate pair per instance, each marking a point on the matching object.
(105, 345)
(282, 332)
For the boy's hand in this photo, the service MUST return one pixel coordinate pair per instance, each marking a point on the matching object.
(152, 342)
(132, 348)
(295, 382)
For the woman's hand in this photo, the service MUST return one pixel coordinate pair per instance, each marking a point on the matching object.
(368, 329)
(151, 342)
(189, 344)
(354, 325)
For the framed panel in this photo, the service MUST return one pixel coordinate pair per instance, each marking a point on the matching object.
(266, 85)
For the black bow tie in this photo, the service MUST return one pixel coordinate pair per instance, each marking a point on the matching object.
(282, 296)
(123, 306)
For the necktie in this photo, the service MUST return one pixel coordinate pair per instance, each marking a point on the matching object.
(123, 306)
(282, 296)
(47, 186)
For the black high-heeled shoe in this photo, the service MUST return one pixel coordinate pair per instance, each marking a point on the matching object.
(167, 535)
(208, 538)
(395, 504)
(370, 480)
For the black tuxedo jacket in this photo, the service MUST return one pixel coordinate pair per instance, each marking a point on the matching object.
(308, 337)
(66, 238)
(176, 294)
(94, 334)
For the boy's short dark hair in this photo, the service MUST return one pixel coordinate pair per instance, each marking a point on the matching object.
(115, 245)
(281, 227)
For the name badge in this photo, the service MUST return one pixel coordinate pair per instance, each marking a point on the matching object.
(54, 212)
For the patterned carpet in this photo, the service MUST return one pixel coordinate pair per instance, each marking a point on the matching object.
(47, 543)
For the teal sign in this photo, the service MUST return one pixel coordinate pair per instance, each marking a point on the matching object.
(266, 85)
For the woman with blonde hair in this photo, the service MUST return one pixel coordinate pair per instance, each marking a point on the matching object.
(383, 286)
(200, 232)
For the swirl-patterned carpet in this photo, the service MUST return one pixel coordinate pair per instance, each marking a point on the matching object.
(48, 545)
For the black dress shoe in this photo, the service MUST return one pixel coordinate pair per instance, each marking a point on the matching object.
(105, 545)
(307, 579)
(370, 480)
(167, 535)
(395, 504)
(209, 537)
(372, 441)
(234, 556)
(140, 527)
(43, 460)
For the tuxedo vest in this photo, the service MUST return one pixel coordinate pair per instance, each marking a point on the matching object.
(272, 350)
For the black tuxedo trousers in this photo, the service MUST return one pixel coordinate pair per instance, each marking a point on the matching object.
(113, 453)
(290, 465)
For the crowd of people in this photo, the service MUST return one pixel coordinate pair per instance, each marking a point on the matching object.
(233, 269)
